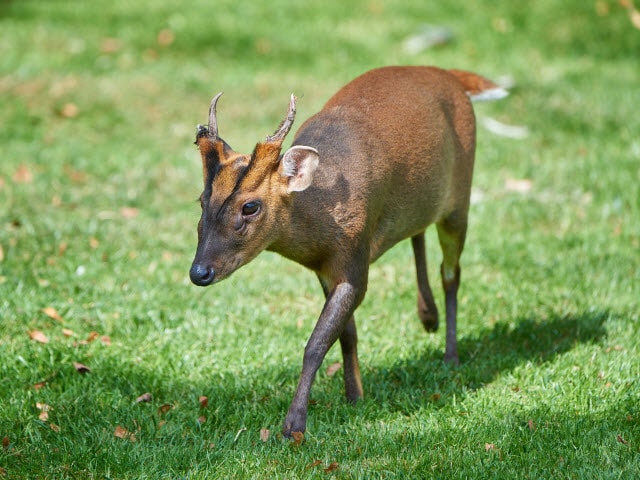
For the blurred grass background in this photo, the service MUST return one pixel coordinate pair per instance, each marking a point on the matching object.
(98, 182)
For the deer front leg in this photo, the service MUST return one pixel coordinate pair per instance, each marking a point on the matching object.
(341, 302)
(349, 346)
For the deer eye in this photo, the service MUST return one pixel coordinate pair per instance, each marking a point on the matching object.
(250, 208)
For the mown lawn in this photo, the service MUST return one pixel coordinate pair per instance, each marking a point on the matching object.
(98, 185)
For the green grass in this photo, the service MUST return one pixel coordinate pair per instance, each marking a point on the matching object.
(98, 218)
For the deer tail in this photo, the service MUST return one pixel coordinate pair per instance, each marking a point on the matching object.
(478, 87)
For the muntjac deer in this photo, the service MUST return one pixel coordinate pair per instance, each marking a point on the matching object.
(390, 153)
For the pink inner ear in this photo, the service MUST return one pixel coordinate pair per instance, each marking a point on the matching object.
(298, 164)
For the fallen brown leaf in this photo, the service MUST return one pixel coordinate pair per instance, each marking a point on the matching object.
(622, 440)
(39, 385)
(54, 427)
(105, 340)
(332, 466)
(5, 443)
(532, 425)
(52, 313)
(489, 447)
(125, 434)
(23, 175)
(129, 212)
(92, 336)
(298, 437)
(264, 434)
(38, 336)
(314, 464)
(144, 398)
(68, 333)
(110, 45)
(202, 419)
(44, 411)
(81, 368)
(203, 401)
(69, 110)
(333, 368)
(166, 37)
(164, 408)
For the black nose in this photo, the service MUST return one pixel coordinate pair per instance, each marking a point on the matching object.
(201, 275)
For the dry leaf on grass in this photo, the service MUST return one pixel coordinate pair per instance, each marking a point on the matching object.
(39, 385)
(165, 37)
(23, 175)
(92, 336)
(202, 419)
(144, 398)
(332, 466)
(52, 313)
(81, 368)
(333, 368)
(264, 434)
(38, 336)
(44, 411)
(110, 45)
(69, 110)
(298, 437)
(125, 434)
(314, 464)
(5, 443)
(203, 401)
(129, 212)
(622, 440)
(164, 408)
(54, 427)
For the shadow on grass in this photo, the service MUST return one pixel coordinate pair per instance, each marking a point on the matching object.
(484, 356)
(89, 419)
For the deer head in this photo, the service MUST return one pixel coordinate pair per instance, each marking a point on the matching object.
(244, 206)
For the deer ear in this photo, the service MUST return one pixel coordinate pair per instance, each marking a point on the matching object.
(298, 164)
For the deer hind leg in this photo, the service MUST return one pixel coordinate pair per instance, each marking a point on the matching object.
(427, 310)
(451, 234)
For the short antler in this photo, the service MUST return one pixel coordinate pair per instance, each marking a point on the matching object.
(210, 130)
(213, 123)
(285, 126)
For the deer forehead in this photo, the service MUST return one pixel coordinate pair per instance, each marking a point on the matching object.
(237, 174)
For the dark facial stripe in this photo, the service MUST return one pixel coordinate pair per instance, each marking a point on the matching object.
(236, 173)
